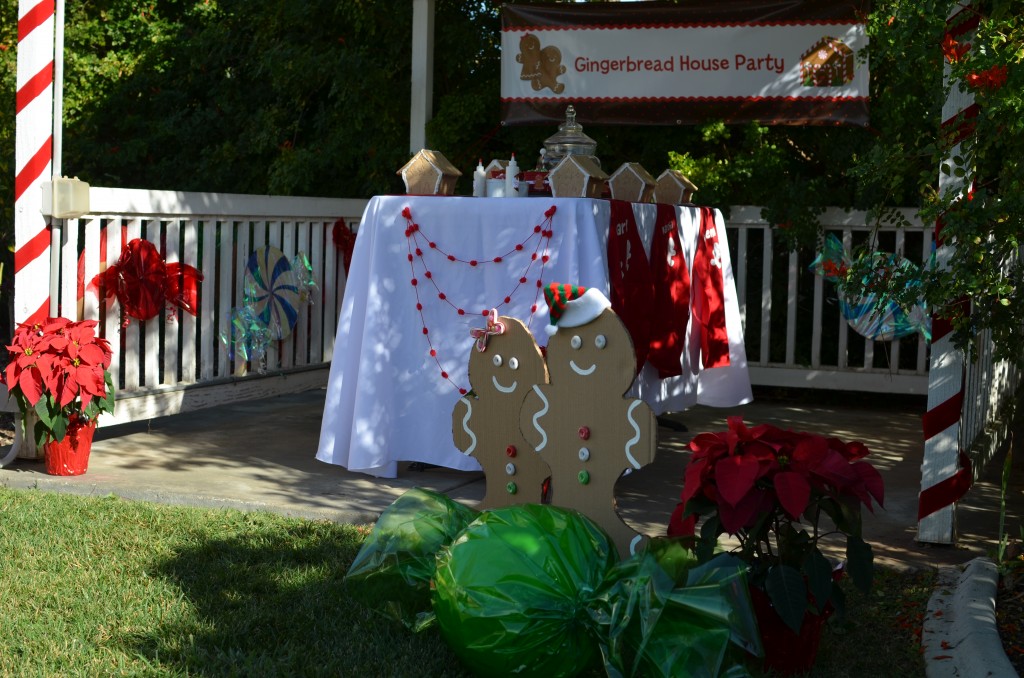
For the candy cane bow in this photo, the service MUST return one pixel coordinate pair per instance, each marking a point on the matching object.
(481, 334)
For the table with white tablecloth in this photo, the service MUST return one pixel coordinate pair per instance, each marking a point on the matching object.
(424, 271)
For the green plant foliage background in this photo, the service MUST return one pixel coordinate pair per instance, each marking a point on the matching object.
(312, 98)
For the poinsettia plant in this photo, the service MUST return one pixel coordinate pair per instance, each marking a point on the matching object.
(58, 370)
(780, 493)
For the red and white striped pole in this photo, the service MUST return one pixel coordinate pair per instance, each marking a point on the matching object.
(33, 164)
(33, 159)
(946, 471)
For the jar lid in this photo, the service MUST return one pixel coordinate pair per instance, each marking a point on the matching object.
(570, 135)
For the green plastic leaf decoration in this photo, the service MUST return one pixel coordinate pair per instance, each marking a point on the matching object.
(397, 561)
(818, 571)
(788, 593)
(860, 559)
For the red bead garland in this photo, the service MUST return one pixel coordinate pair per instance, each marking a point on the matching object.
(414, 236)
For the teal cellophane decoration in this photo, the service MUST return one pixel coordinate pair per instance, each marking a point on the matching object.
(512, 594)
(396, 563)
(247, 337)
(302, 269)
(534, 590)
(868, 315)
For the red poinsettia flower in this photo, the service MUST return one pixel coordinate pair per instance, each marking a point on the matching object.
(769, 488)
(744, 473)
(57, 368)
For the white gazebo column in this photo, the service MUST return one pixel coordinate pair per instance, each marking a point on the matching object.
(33, 164)
(422, 109)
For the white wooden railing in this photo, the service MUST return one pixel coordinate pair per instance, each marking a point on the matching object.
(177, 363)
(794, 333)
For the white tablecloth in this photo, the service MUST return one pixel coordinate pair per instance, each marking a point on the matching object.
(387, 400)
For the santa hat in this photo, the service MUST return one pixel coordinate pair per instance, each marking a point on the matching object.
(572, 306)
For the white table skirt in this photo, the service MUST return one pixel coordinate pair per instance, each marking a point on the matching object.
(387, 400)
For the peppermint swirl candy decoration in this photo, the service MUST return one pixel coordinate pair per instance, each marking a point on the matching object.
(272, 291)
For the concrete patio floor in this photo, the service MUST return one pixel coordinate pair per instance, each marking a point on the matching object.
(260, 456)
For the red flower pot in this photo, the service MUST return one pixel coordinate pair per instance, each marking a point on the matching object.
(70, 457)
(785, 652)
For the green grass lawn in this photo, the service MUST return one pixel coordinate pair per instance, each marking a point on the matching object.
(104, 586)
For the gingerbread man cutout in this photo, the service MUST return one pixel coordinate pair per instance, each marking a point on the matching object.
(529, 57)
(550, 68)
(504, 364)
(579, 422)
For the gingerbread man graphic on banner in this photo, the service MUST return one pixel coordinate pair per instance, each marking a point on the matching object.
(504, 364)
(580, 423)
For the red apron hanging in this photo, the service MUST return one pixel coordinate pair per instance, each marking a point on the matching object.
(709, 294)
(632, 288)
(671, 274)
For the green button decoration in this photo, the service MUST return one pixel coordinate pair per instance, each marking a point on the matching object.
(583, 477)
(511, 488)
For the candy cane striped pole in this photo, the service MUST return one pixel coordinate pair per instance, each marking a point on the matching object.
(946, 471)
(33, 159)
(33, 163)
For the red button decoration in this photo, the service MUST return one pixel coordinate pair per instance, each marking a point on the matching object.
(584, 433)
(510, 451)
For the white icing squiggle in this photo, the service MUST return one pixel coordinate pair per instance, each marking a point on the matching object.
(465, 426)
(543, 411)
(636, 433)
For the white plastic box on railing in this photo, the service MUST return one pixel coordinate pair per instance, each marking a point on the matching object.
(65, 198)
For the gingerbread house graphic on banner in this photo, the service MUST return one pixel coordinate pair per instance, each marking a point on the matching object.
(828, 63)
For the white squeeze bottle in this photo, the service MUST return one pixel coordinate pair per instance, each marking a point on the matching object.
(511, 182)
(479, 180)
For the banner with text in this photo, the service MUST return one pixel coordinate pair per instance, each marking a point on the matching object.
(792, 62)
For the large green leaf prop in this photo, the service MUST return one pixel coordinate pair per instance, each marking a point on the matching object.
(397, 561)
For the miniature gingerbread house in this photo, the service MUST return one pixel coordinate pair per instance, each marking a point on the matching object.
(632, 182)
(496, 169)
(828, 63)
(673, 188)
(429, 173)
(577, 176)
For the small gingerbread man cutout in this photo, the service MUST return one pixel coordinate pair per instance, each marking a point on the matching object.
(529, 57)
(550, 68)
(504, 364)
(579, 422)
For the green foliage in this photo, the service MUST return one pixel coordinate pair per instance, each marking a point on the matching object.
(980, 288)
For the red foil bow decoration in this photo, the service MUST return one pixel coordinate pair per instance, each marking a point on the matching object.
(143, 282)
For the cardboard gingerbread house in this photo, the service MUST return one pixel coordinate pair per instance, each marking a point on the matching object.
(633, 183)
(429, 173)
(828, 63)
(577, 176)
(673, 188)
